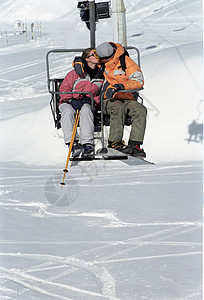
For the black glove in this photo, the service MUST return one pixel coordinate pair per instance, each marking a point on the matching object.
(79, 65)
(86, 100)
(113, 89)
(77, 104)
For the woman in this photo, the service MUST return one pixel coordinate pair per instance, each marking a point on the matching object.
(91, 81)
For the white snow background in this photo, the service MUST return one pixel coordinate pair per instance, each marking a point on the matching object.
(116, 230)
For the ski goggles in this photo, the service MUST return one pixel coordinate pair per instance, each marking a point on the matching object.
(96, 55)
(103, 58)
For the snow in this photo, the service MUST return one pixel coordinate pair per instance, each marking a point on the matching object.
(33, 10)
(117, 230)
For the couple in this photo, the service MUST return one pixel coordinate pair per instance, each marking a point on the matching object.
(88, 75)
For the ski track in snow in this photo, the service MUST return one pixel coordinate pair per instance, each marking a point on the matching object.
(104, 255)
(101, 254)
(34, 85)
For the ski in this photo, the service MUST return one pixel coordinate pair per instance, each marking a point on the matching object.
(132, 160)
(128, 159)
(112, 154)
(109, 154)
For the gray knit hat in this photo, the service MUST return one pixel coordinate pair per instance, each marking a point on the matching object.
(105, 50)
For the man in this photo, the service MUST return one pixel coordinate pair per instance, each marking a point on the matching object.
(117, 105)
(88, 81)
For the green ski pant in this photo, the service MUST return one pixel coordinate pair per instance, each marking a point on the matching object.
(117, 109)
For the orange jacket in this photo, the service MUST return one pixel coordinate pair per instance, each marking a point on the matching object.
(132, 78)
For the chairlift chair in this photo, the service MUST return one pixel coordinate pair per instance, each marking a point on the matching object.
(100, 120)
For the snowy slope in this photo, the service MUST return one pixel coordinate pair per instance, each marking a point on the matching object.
(32, 10)
(172, 105)
(116, 230)
(173, 92)
(113, 232)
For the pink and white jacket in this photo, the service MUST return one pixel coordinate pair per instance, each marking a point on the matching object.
(74, 83)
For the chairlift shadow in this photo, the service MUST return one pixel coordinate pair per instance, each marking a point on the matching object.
(195, 131)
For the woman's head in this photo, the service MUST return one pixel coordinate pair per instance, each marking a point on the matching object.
(86, 53)
(90, 59)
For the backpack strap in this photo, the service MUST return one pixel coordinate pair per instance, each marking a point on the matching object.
(122, 59)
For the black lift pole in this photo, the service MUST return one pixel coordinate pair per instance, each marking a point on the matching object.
(92, 15)
(91, 12)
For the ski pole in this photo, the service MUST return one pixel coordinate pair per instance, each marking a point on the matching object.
(76, 121)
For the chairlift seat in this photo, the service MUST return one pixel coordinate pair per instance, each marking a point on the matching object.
(54, 103)
(99, 118)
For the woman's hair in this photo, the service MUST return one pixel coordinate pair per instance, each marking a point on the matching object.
(86, 52)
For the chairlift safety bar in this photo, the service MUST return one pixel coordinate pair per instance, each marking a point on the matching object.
(78, 50)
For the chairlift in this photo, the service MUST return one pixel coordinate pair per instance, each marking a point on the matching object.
(102, 10)
(100, 119)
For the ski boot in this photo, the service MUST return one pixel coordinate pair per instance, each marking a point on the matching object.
(88, 151)
(134, 150)
(76, 149)
(117, 145)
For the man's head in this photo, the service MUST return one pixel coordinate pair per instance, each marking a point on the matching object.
(105, 52)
